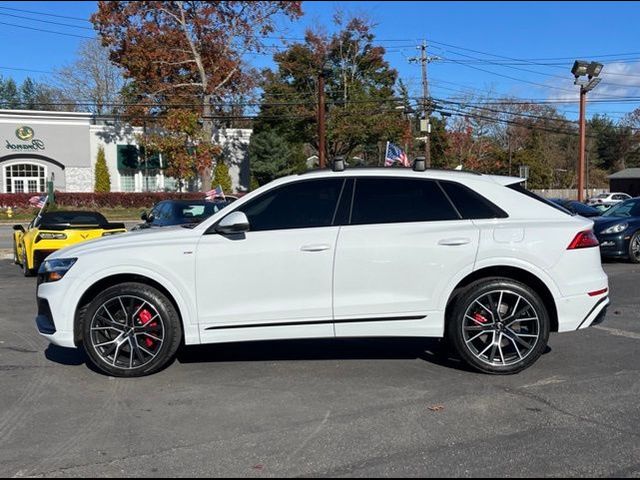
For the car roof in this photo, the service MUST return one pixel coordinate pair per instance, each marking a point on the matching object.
(431, 173)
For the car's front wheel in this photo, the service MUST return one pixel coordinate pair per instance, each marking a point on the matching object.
(131, 330)
(499, 326)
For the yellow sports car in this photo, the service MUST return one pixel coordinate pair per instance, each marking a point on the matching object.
(51, 231)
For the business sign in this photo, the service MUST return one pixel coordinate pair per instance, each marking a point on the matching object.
(25, 134)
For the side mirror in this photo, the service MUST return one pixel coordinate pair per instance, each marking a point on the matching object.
(144, 216)
(236, 222)
(18, 228)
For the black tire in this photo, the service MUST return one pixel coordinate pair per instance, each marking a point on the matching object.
(634, 248)
(26, 271)
(168, 330)
(16, 260)
(506, 332)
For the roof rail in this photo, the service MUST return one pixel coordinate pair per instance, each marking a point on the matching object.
(430, 169)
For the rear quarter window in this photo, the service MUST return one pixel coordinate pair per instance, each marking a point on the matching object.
(518, 187)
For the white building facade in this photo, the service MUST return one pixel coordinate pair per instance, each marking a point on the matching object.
(36, 146)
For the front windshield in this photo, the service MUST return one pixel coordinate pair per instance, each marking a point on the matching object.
(603, 195)
(629, 208)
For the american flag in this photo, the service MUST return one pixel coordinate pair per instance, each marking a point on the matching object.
(38, 201)
(395, 154)
(215, 193)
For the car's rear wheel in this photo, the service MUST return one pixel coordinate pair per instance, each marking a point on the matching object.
(16, 259)
(131, 330)
(26, 271)
(499, 326)
(634, 248)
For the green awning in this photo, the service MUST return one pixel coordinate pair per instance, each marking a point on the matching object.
(130, 157)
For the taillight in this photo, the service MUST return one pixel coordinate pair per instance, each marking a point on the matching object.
(586, 239)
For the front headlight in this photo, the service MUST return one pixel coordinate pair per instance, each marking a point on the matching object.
(619, 228)
(51, 236)
(54, 270)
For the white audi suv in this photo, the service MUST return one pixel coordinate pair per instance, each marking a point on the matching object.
(473, 258)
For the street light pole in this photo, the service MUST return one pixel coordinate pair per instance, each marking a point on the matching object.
(591, 70)
(583, 143)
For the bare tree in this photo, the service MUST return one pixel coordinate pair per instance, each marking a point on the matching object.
(93, 82)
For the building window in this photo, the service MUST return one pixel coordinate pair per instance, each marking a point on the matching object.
(127, 182)
(149, 183)
(25, 178)
(170, 184)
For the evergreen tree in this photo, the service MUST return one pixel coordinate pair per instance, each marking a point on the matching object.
(102, 177)
(29, 94)
(271, 156)
(9, 95)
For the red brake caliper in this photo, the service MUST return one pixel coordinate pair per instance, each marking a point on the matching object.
(478, 318)
(144, 318)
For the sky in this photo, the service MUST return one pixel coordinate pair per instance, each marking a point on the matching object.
(520, 49)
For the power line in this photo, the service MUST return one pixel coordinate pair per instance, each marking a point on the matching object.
(43, 13)
(25, 70)
(45, 21)
(46, 31)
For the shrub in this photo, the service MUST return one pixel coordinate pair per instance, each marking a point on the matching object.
(102, 178)
(221, 177)
(100, 200)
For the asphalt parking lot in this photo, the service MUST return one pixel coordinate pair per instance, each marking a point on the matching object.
(358, 408)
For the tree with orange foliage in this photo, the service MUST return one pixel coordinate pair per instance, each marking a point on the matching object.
(187, 55)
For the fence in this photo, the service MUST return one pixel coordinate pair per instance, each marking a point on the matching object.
(571, 193)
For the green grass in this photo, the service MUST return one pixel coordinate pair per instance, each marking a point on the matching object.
(25, 215)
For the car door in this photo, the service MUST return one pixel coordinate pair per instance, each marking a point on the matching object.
(403, 246)
(274, 281)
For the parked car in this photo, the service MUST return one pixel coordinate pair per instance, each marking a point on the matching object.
(618, 231)
(608, 199)
(51, 231)
(577, 208)
(180, 212)
(358, 253)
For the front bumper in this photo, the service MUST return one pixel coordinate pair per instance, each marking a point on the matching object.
(614, 246)
(53, 322)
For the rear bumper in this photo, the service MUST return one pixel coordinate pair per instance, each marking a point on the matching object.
(581, 311)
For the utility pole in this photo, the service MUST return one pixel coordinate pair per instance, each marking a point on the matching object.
(425, 98)
(425, 124)
(509, 146)
(322, 151)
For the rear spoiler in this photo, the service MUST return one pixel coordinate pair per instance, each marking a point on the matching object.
(505, 180)
(68, 226)
(114, 226)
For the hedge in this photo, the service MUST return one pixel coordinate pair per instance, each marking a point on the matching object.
(100, 200)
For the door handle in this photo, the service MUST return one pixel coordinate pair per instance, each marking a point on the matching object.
(454, 242)
(321, 247)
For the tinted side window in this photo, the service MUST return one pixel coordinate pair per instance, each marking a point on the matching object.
(470, 204)
(395, 200)
(518, 187)
(299, 205)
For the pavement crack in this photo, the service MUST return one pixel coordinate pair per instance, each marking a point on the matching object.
(552, 406)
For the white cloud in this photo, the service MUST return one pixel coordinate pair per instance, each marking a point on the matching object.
(618, 80)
